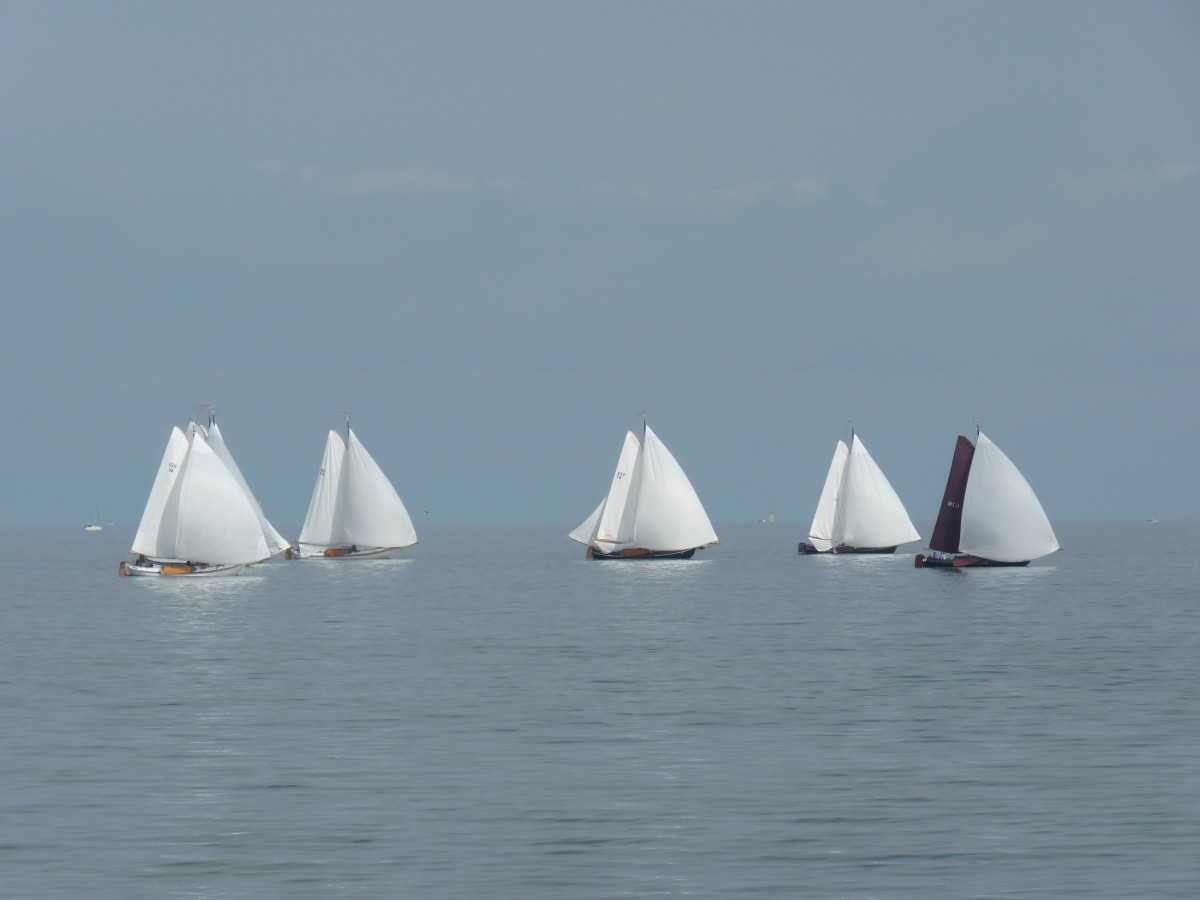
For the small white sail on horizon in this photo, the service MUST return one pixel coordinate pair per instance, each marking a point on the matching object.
(651, 509)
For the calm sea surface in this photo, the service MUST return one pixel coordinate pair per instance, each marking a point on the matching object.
(492, 716)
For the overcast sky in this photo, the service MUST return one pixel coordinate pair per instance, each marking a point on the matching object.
(496, 232)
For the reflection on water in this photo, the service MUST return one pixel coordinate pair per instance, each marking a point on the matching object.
(508, 720)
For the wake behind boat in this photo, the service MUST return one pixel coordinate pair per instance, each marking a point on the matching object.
(355, 512)
(200, 519)
(651, 510)
(858, 511)
(989, 516)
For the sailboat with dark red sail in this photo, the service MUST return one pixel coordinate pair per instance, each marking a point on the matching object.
(990, 515)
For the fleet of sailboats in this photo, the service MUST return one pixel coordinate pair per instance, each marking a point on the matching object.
(651, 510)
(355, 512)
(202, 519)
(858, 511)
(989, 515)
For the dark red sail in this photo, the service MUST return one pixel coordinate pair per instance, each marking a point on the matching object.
(949, 519)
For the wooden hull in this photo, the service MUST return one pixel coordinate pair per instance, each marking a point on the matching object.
(962, 562)
(635, 553)
(341, 553)
(806, 549)
(179, 570)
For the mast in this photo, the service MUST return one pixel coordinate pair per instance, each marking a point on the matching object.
(948, 527)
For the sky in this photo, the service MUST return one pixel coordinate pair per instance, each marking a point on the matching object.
(496, 233)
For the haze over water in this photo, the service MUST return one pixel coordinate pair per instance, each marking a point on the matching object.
(493, 716)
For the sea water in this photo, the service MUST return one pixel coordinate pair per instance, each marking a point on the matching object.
(491, 716)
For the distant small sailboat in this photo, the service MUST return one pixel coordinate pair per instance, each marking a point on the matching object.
(768, 519)
(199, 519)
(651, 510)
(990, 515)
(95, 525)
(355, 512)
(858, 511)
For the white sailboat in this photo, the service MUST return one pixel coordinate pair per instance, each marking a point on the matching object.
(651, 510)
(355, 512)
(95, 524)
(989, 516)
(198, 520)
(858, 511)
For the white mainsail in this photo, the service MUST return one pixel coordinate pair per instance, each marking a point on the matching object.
(368, 511)
(669, 514)
(318, 524)
(207, 517)
(821, 533)
(651, 504)
(277, 542)
(869, 514)
(146, 539)
(1002, 518)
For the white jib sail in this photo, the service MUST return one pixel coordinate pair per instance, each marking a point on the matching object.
(1002, 518)
(587, 529)
(146, 539)
(616, 521)
(274, 539)
(820, 534)
(869, 514)
(209, 514)
(611, 523)
(369, 512)
(318, 524)
(669, 515)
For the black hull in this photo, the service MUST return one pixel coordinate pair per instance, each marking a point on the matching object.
(963, 562)
(636, 554)
(807, 549)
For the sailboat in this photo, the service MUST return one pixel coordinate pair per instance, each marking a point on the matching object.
(355, 512)
(199, 520)
(990, 515)
(651, 510)
(95, 525)
(858, 511)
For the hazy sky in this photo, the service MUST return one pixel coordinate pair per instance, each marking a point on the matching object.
(495, 232)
